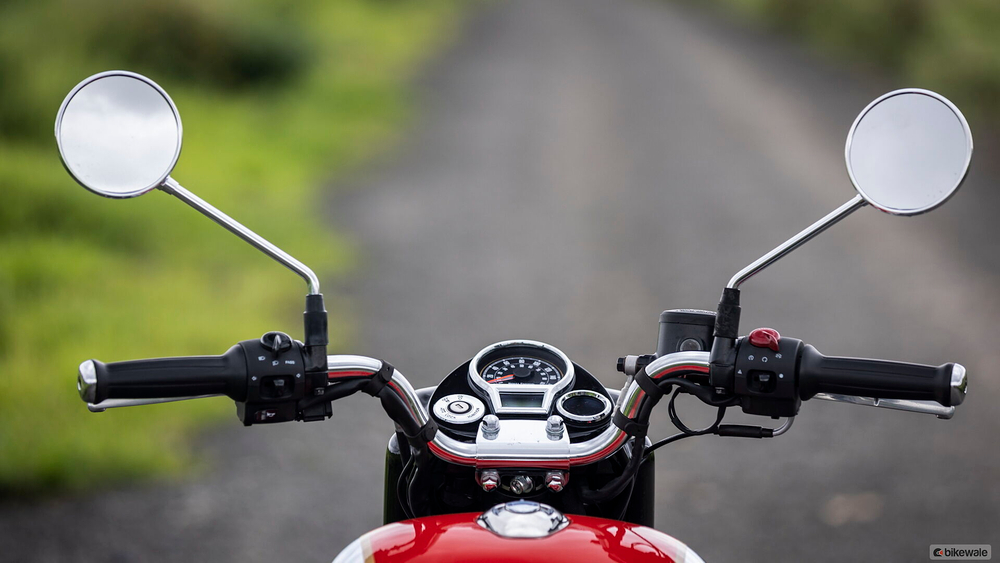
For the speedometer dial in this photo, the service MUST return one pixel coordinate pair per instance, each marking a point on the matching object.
(521, 370)
(520, 376)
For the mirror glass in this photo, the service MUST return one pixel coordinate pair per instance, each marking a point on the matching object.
(119, 134)
(908, 151)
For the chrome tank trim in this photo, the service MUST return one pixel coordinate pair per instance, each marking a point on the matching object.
(523, 519)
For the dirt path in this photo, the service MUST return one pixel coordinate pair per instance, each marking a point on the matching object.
(579, 166)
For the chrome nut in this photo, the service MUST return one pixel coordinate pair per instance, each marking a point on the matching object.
(521, 485)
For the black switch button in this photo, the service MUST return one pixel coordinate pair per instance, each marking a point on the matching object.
(276, 387)
(266, 415)
(276, 342)
(762, 381)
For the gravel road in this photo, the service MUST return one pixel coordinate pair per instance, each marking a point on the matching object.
(577, 167)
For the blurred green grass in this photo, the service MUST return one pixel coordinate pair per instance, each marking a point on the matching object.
(276, 97)
(952, 47)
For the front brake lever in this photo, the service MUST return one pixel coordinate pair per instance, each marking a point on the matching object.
(922, 407)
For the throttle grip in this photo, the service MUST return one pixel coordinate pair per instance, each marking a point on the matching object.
(165, 377)
(880, 379)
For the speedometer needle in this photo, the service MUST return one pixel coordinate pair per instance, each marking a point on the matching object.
(500, 378)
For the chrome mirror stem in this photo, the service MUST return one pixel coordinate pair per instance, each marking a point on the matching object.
(173, 188)
(798, 240)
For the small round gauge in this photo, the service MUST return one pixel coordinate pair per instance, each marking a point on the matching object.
(521, 370)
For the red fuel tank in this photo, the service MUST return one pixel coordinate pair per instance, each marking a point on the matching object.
(521, 532)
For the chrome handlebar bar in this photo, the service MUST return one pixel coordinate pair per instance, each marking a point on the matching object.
(557, 454)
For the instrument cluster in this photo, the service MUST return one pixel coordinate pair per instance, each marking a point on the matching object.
(521, 379)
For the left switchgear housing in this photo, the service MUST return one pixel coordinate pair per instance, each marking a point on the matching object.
(276, 382)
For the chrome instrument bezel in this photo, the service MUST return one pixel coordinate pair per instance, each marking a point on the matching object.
(588, 419)
(549, 392)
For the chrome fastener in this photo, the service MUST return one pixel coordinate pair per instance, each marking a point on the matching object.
(554, 427)
(490, 426)
(489, 479)
(556, 480)
(521, 484)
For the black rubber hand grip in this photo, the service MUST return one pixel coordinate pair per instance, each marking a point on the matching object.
(166, 377)
(880, 379)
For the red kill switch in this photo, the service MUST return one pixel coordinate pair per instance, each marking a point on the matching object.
(765, 338)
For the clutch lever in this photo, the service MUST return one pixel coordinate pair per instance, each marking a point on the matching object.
(118, 403)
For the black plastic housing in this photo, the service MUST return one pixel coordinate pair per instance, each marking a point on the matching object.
(723, 356)
(765, 380)
(275, 382)
(678, 326)
(316, 338)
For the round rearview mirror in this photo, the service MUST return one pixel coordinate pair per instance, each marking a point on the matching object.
(119, 134)
(908, 151)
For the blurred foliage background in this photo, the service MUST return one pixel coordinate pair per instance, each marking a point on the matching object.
(952, 47)
(276, 97)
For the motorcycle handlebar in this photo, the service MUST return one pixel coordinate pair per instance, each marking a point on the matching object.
(879, 379)
(816, 376)
(165, 377)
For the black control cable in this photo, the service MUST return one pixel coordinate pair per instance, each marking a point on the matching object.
(335, 391)
(717, 428)
(685, 432)
(401, 492)
(672, 413)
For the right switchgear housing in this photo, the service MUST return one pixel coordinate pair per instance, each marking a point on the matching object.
(765, 378)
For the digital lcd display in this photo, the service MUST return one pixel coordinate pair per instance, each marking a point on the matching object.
(521, 400)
